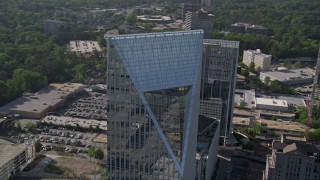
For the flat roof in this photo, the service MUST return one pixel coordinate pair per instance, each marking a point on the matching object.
(283, 125)
(222, 43)
(40, 101)
(241, 121)
(84, 46)
(290, 74)
(271, 102)
(9, 151)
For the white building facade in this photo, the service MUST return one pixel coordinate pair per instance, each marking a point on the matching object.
(259, 59)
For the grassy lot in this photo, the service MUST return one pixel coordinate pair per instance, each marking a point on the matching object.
(72, 167)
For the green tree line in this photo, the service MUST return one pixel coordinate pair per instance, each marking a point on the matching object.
(294, 25)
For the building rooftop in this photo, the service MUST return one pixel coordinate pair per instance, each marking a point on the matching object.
(9, 151)
(241, 121)
(154, 18)
(84, 46)
(257, 52)
(246, 25)
(271, 102)
(285, 75)
(40, 101)
(283, 125)
(301, 148)
(222, 43)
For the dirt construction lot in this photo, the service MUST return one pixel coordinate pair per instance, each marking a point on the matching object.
(101, 138)
(72, 167)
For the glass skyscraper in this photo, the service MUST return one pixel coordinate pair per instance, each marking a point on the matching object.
(218, 81)
(153, 104)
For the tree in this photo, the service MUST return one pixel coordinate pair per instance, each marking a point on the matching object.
(274, 118)
(244, 72)
(267, 80)
(91, 152)
(38, 146)
(258, 129)
(99, 154)
(19, 125)
(96, 153)
(287, 64)
(131, 19)
(297, 65)
(242, 105)
(30, 126)
(252, 67)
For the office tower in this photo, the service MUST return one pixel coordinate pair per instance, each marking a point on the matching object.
(315, 96)
(153, 90)
(292, 159)
(218, 80)
(200, 20)
(189, 7)
(260, 60)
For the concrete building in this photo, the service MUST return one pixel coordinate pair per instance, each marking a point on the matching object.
(315, 95)
(155, 19)
(200, 20)
(292, 160)
(219, 66)
(272, 127)
(153, 88)
(246, 166)
(248, 28)
(37, 105)
(14, 158)
(83, 47)
(290, 77)
(189, 7)
(272, 104)
(53, 27)
(259, 59)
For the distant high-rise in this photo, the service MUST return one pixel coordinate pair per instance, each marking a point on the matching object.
(189, 7)
(153, 90)
(218, 80)
(292, 159)
(200, 20)
(261, 61)
(315, 96)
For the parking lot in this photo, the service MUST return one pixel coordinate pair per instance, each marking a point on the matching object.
(85, 123)
(88, 105)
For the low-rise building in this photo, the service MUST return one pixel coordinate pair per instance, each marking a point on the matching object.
(272, 127)
(37, 105)
(246, 166)
(155, 19)
(272, 104)
(248, 28)
(83, 47)
(291, 77)
(14, 158)
(260, 60)
(292, 159)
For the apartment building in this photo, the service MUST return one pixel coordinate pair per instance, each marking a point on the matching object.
(259, 59)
